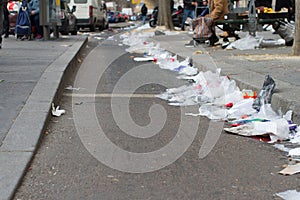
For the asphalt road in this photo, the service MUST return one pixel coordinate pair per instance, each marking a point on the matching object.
(76, 161)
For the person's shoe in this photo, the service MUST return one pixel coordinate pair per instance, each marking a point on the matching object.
(24, 38)
(38, 36)
(225, 45)
(6, 35)
(213, 41)
(190, 44)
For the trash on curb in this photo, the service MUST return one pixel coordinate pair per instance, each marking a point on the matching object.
(294, 152)
(72, 88)
(56, 111)
(291, 169)
(289, 195)
(249, 113)
(281, 147)
(265, 95)
(143, 59)
(248, 42)
(272, 43)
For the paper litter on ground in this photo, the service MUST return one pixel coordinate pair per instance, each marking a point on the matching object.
(289, 195)
(291, 169)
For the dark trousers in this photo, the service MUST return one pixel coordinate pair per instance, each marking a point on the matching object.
(6, 21)
(35, 21)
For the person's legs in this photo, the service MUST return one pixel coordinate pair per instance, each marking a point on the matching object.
(6, 23)
(185, 15)
(36, 21)
(192, 14)
(1, 26)
(144, 19)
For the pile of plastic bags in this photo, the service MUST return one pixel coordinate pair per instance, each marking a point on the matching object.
(218, 97)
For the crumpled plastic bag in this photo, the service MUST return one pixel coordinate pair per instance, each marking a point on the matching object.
(248, 42)
(241, 108)
(214, 112)
(265, 95)
(56, 111)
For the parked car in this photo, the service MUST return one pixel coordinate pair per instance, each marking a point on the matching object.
(90, 13)
(113, 17)
(125, 16)
(121, 17)
(68, 19)
(133, 17)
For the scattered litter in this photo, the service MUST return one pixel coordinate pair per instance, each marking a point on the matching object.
(159, 33)
(289, 195)
(294, 152)
(281, 147)
(248, 113)
(99, 38)
(143, 59)
(72, 88)
(198, 52)
(291, 169)
(272, 43)
(56, 111)
(265, 95)
(248, 42)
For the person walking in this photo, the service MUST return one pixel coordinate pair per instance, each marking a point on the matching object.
(188, 11)
(144, 11)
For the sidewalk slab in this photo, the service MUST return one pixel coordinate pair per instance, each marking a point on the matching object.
(44, 65)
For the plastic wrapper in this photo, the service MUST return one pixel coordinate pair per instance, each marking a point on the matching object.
(168, 61)
(248, 42)
(289, 195)
(140, 48)
(241, 108)
(189, 71)
(265, 95)
(272, 43)
(182, 96)
(279, 128)
(213, 112)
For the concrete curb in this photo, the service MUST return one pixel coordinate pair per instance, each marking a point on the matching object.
(23, 137)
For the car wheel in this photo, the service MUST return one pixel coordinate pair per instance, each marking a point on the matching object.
(92, 28)
(101, 28)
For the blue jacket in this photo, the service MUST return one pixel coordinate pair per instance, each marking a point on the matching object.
(34, 5)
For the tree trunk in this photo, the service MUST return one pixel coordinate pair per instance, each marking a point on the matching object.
(296, 45)
(164, 14)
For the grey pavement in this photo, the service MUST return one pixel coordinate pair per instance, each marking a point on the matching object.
(247, 67)
(32, 74)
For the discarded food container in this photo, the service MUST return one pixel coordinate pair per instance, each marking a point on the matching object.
(249, 94)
